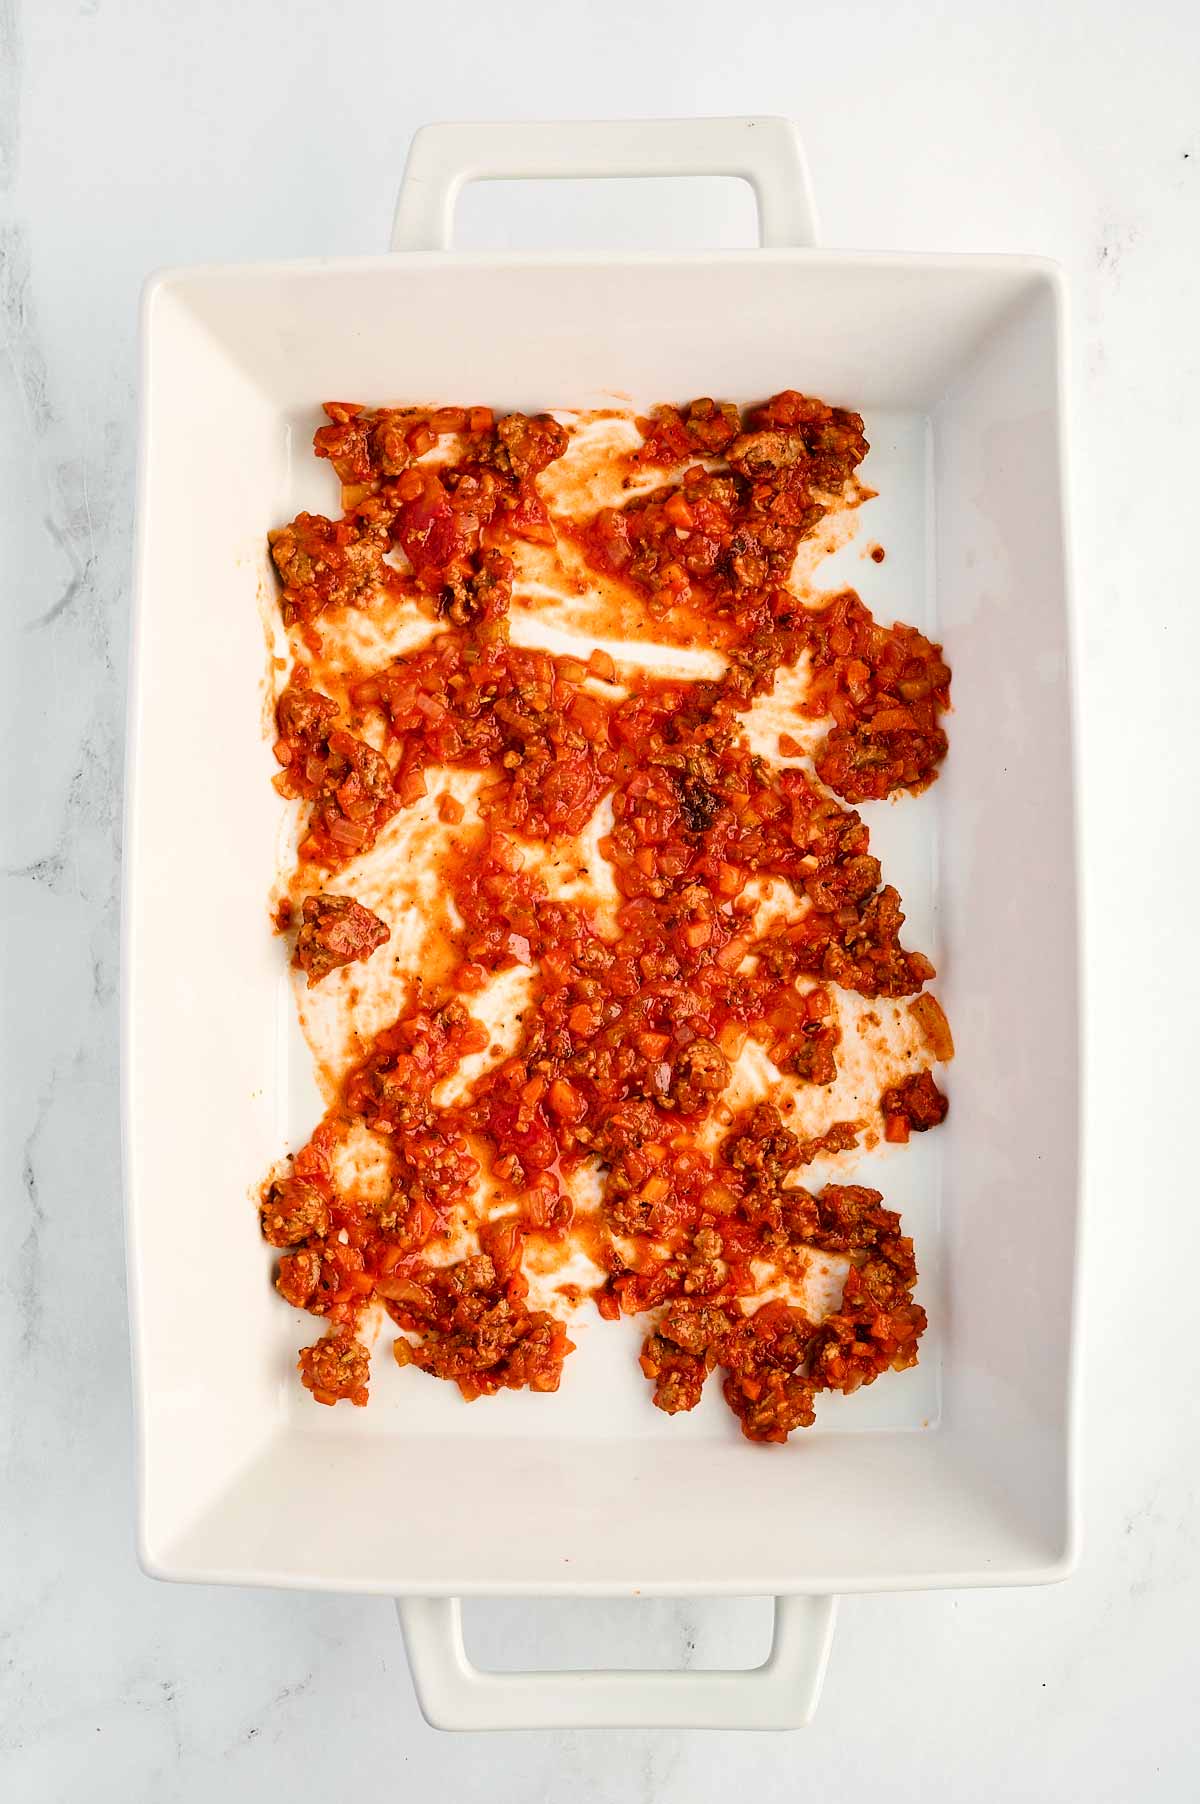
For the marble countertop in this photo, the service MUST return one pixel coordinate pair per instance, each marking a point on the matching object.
(140, 135)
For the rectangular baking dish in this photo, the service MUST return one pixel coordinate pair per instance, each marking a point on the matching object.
(961, 1473)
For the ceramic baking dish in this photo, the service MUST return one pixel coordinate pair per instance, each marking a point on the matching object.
(960, 1473)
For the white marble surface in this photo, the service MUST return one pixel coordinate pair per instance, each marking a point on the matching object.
(137, 134)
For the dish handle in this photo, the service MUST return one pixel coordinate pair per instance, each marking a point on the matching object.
(782, 1693)
(442, 159)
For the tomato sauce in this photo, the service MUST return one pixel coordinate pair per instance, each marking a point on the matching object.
(627, 1049)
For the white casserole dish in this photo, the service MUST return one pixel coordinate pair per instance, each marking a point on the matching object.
(967, 1476)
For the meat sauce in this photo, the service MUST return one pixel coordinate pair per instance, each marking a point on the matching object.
(627, 1048)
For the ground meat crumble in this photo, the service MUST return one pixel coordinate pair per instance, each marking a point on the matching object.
(914, 1105)
(335, 930)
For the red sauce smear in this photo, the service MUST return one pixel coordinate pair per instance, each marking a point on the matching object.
(626, 1048)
